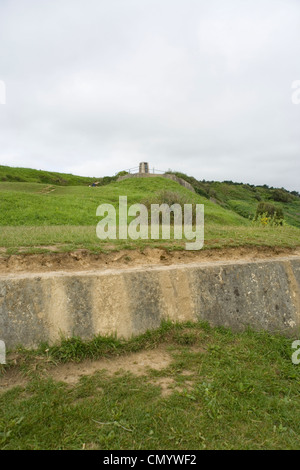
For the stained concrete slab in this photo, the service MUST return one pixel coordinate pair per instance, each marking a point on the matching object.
(36, 307)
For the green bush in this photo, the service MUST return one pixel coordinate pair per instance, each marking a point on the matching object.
(243, 208)
(281, 195)
(169, 198)
(201, 191)
(269, 214)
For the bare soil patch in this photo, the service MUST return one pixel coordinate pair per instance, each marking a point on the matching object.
(12, 378)
(136, 363)
(81, 260)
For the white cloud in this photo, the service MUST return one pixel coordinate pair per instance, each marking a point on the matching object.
(202, 87)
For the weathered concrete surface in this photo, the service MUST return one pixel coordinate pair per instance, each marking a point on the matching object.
(41, 307)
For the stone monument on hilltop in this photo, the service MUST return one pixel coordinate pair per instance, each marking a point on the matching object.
(144, 167)
(144, 172)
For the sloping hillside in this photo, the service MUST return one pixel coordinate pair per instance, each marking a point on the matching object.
(28, 175)
(39, 204)
(244, 198)
(238, 198)
(38, 216)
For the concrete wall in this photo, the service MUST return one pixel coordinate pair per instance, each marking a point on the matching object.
(39, 307)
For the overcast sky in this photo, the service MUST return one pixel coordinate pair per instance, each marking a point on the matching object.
(198, 86)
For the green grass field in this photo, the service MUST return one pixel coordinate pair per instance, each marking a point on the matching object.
(225, 390)
(35, 215)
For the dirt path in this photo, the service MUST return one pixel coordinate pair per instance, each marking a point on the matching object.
(137, 364)
(81, 260)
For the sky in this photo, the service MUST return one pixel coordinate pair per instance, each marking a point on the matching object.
(202, 87)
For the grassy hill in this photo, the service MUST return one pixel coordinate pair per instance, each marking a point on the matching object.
(35, 214)
(243, 198)
(39, 204)
(28, 175)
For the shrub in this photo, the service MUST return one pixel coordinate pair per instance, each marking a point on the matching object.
(242, 208)
(281, 195)
(169, 198)
(107, 180)
(201, 191)
(268, 214)
(212, 193)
